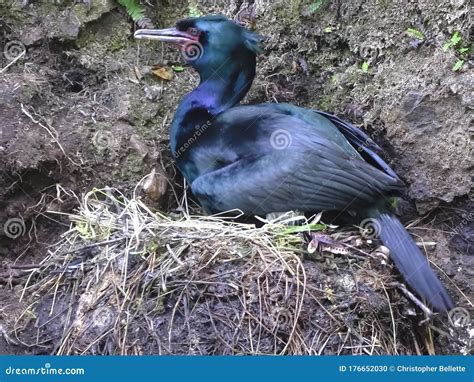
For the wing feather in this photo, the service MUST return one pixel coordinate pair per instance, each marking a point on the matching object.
(291, 180)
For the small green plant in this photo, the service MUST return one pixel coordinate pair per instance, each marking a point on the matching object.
(365, 67)
(136, 12)
(133, 8)
(194, 11)
(415, 33)
(177, 68)
(455, 42)
(314, 6)
(458, 65)
(303, 228)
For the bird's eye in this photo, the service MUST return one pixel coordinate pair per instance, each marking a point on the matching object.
(193, 31)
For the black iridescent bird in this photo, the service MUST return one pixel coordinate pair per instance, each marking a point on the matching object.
(271, 158)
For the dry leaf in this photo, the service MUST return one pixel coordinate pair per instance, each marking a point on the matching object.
(133, 77)
(317, 218)
(155, 185)
(140, 147)
(325, 243)
(137, 72)
(164, 73)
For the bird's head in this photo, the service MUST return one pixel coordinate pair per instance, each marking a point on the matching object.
(209, 43)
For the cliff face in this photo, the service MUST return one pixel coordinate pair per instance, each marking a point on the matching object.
(80, 106)
(399, 69)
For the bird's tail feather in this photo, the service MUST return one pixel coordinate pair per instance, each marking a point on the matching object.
(410, 261)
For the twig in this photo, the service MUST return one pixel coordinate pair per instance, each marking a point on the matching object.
(86, 247)
(14, 60)
(24, 111)
(413, 298)
(173, 255)
(5, 335)
(24, 266)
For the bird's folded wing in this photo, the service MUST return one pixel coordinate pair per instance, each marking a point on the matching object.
(316, 178)
(360, 141)
(355, 135)
(348, 137)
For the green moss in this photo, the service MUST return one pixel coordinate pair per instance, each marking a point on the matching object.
(117, 42)
(142, 116)
(129, 167)
(134, 164)
(383, 4)
(52, 7)
(85, 39)
(97, 10)
(109, 35)
(288, 13)
(193, 9)
(28, 92)
(325, 102)
(11, 10)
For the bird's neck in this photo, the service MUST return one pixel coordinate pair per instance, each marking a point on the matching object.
(217, 91)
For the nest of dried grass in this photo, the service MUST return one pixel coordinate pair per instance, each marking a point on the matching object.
(125, 279)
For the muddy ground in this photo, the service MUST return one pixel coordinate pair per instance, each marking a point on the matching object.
(82, 109)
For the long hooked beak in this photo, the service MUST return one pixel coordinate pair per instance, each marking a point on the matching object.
(167, 35)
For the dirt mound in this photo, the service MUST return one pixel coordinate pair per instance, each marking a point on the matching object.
(128, 280)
